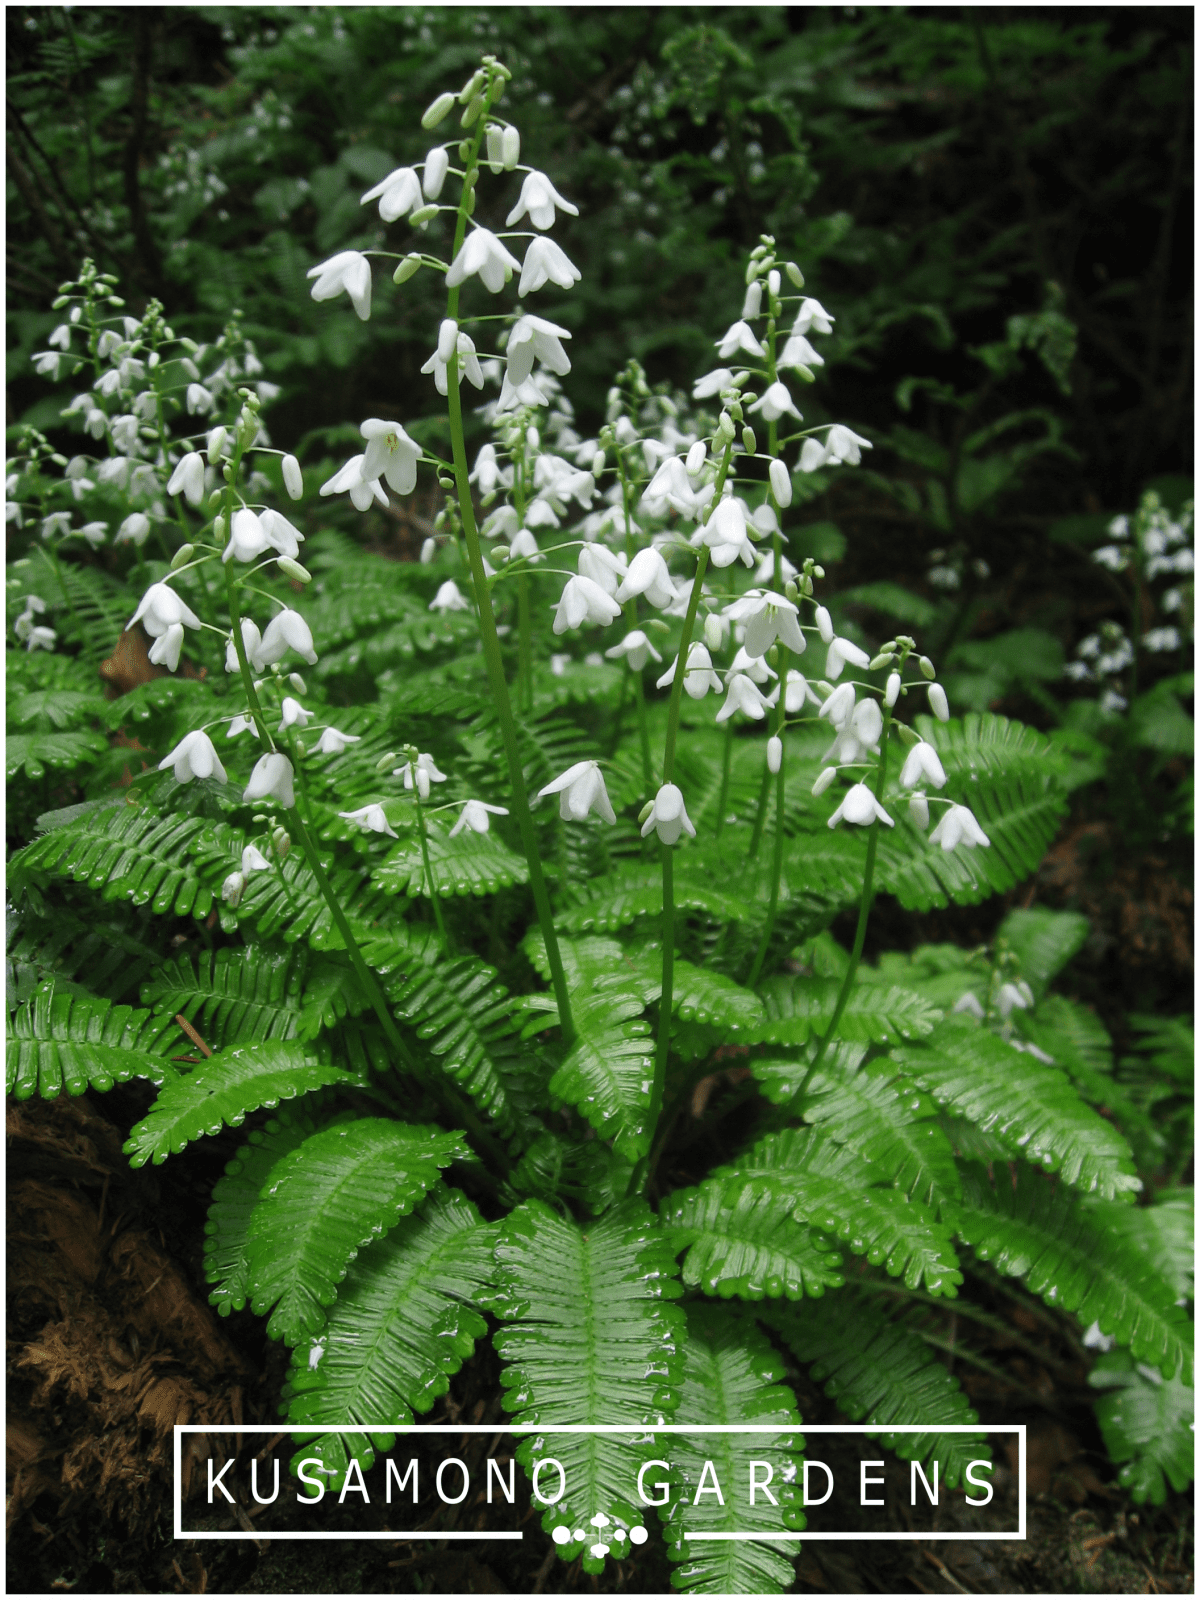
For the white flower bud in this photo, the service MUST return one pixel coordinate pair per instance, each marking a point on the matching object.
(233, 888)
(713, 632)
(447, 339)
(293, 478)
(926, 667)
(293, 569)
(824, 624)
(281, 842)
(407, 268)
(510, 145)
(297, 683)
(495, 150)
(428, 551)
(749, 442)
(824, 780)
(937, 702)
(437, 164)
(695, 457)
(438, 110)
(892, 693)
(794, 273)
(597, 463)
(781, 483)
(918, 811)
(774, 282)
(752, 304)
(774, 753)
(215, 443)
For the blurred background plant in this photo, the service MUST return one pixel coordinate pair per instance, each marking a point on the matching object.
(999, 198)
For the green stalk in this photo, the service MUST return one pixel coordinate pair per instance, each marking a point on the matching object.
(433, 894)
(488, 636)
(777, 853)
(760, 815)
(525, 637)
(864, 912)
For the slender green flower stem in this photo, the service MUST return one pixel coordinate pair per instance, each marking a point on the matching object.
(525, 638)
(864, 912)
(489, 638)
(760, 815)
(433, 894)
(777, 853)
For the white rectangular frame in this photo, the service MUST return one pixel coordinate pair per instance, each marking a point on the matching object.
(518, 1429)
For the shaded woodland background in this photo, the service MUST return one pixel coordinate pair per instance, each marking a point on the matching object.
(995, 203)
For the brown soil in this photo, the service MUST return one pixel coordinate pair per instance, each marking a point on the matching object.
(111, 1343)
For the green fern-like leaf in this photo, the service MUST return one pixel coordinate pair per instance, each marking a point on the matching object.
(1030, 1106)
(832, 1188)
(1148, 1423)
(609, 1071)
(344, 1186)
(223, 1092)
(471, 863)
(55, 708)
(881, 1372)
(748, 1243)
(65, 946)
(234, 995)
(795, 1008)
(1043, 942)
(75, 1041)
(588, 1338)
(234, 1200)
(1059, 1244)
(731, 1376)
(403, 1324)
(36, 751)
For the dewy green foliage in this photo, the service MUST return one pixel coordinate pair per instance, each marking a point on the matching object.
(455, 881)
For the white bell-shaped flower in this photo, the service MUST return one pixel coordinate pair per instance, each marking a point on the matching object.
(420, 774)
(483, 254)
(247, 537)
(867, 723)
(776, 402)
(294, 714)
(286, 631)
(712, 383)
(797, 352)
(958, 826)
(253, 860)
(812, 317)
(188, 478)
(539, 198)
(671, 486)
(546, 263)
(740, 336)
(281, 534)
(668, 816)
(164, 616)
(580, 789)
(272, 779)
(725, 534)
(766, 617)
(349, 270)
(744, 695)
(437, 165)
(755, 668)
(841, 444)
(922, 764)
(332, 742)
(449, 598)
(194, 757)
(390, 454)
(798, 693)
(133, 530)
(525, 547)
(533, 338)
(839, 707)
(698, 676)
(477, 815)
(293, 478)
(468, 364)
(648, 575)
(812, 455)
(781, 488)
(840, 652)
(251, 640)
(603, 566)
(860, 806)
(584, 601)
(636, 648)
(200, 400)
(349, 480)
(371, 819)
(398, 194)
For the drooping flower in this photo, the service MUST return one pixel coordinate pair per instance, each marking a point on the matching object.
(349, 480)
(841, 444)
(797, 352)
(332, 742)
(484, 254)
(744, 695)
(860, 806)
(94, 532)
(776, 402)
(199, 400)
(525, 547)
(603, 566)
(841, 651)
(671, 486)
(726, 536)
(533, 338)
(188, 478)
(253, 860)
(425, 770)
(194, 757)
(539, 198)
(546, 263)
(647, 575)
(239, 725)
(294, 714)
(636, 648)
(468, 364)
(1013, 997)
(739, 336)
(477, 815)
(756, 668)
(398, 194)
(371, 819)
(668, 816)
(581, 789)
(252, 641)
(349, 270)
(781, 486)
(164, 616)
(233, 888)
(584, 601)
(698, 677)
(766, 617)
(286, 631)
(247, 537)
(449, 598)
(959, 826)
(134, 529)
(281, 534)
(272, 779)
(813, 316)
(390, 454)
(867, 723)
(922, 763)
